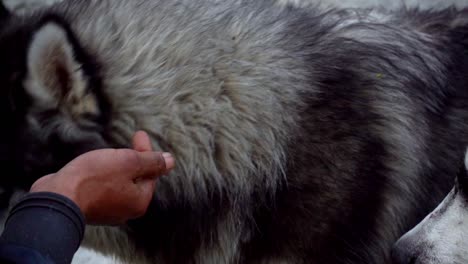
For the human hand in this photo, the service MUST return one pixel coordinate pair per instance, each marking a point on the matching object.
(110, 186)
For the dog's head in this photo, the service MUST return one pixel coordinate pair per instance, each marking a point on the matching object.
(50, 98)
(442, 237)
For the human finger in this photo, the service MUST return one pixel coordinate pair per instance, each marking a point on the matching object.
(141, 142)
(153, 164)
(42, 183)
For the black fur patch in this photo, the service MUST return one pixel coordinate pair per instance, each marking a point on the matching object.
(24, 154)
(4, 12)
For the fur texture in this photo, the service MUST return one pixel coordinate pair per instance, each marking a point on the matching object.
(441, 236)
(301, 135)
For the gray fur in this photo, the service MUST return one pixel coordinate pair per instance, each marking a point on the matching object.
(292, 129)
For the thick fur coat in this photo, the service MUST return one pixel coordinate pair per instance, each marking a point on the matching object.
(441, 237)
(301, 135)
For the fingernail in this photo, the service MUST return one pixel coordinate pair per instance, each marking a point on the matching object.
(169, 159)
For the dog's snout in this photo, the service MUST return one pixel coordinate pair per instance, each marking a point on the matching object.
(404, 252)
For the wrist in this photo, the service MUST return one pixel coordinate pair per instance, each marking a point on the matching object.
(50, 184)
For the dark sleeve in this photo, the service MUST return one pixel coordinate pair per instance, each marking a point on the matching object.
(42, 228)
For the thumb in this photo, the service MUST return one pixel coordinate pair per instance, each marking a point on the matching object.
(153, 164)
(146, 189)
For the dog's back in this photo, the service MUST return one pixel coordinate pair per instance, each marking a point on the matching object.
(300, 136)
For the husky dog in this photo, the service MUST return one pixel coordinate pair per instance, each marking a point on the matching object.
(442, 236)
(301, 135)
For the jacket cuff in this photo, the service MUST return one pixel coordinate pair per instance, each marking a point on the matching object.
(47, 222)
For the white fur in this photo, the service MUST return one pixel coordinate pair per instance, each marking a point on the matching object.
(442, 236)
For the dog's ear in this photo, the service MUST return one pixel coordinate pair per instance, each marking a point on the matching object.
(4, 12)
(55, 76)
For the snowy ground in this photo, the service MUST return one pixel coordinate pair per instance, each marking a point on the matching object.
(88, 256)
